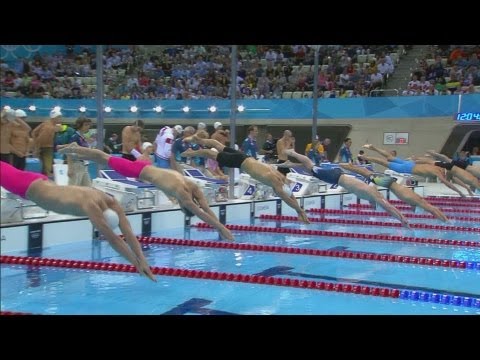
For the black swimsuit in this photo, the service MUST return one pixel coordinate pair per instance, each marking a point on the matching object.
(231, 158)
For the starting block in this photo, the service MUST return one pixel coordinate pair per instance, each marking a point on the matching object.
(16, 209)
(130, 193)
(251, 189)
(304, 185)
(215, 190)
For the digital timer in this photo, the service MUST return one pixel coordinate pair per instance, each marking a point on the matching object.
(468, 116)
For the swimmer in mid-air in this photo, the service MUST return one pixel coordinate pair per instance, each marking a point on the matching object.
(393, 162)
(190, 197)
(78, 201)
(337, 176)
(266, 174)
(402, 192)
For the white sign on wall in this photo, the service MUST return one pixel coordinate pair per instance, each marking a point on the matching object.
(394, 138)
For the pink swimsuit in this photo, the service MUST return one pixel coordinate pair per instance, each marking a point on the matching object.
(126, 167)
(17, 181)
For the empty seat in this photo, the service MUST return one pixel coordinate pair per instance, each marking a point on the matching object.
(306, 69)
(361, 58)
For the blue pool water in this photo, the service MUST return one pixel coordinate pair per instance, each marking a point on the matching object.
(47, 290)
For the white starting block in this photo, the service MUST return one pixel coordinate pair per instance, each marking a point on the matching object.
(130, 193)
(304, 183)
(251, 189)
(215, 190)
(402, 178)
(16, 209)
(207, 188)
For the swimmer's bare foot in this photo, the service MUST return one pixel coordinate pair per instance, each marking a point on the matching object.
(368, 146)
(187, 153)
(288, 152)
(286, 164)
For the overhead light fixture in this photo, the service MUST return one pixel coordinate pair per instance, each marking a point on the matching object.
(241, 108)
(82, 109)
(212, 108)
(158, 109)
(133, 109)
(108, 109)
(186, 109)
(32, 108)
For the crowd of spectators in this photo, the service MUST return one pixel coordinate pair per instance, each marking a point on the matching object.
(446, 70)
(202, 72)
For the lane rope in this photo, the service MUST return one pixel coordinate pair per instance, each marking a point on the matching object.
(372, 223)
(252, 279)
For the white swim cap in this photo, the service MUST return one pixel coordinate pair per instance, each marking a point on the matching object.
(145, 145)
(112, 218)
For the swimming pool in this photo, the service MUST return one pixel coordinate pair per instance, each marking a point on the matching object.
(292, 273)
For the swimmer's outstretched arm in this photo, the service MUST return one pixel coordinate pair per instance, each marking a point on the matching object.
(356, 169)
(439, 156)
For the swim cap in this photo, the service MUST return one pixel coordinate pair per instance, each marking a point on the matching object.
(383, 180)
(145, 145)
(112, 218)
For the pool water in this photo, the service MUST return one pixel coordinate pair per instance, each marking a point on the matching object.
(48, 290)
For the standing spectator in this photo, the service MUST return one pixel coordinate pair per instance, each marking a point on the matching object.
(249, 145)
(180, 146)
(132, 140)
(269, 149)
(43, 137)
(112, 145)
(5, 130)
(360, 158)
(314, 151)
(284, 143)
(220, 135)
(345, 155)
(20, 140)
(325, 143)
(163, 145)
(78, 169)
